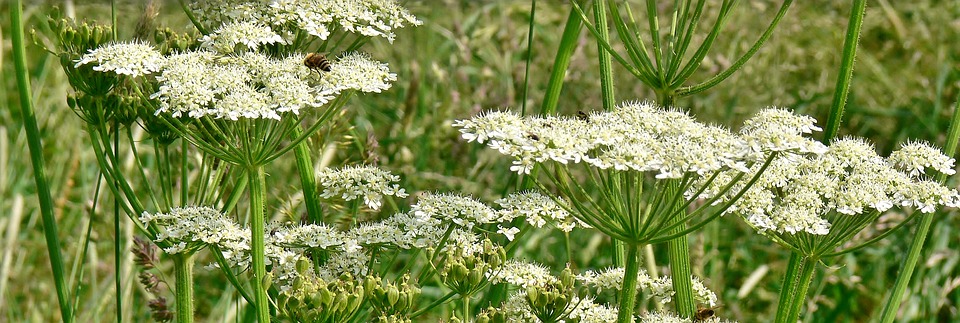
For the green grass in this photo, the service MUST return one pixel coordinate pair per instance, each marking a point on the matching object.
(470, 57)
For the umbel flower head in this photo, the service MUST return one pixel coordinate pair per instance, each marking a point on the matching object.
(639, 136)
(353, 182)
(133, 58)
(848, 180)
(191, 228)
(370, 18)
(253, 85)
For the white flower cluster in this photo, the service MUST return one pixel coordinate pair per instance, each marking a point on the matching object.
(193, 227)
(637, 136)
(916, 157)
(127, 58)
(584, 310)
(523, 274)
(661, 288)
(537, 209)
(254, 85)
(249, 34)
(320, 18)
(795, 193)
(249, 85)
(461, 210)
(372, 18)
(667, 317)
(353, 182)
(357, 71)
(776, 129)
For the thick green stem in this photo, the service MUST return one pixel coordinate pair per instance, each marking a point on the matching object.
(678, 250)
(308, 181)
(892, 305)
(846, 69)
(628, 292)
(466, 308)
(36, 159)
(794, 292)
(183, 273)
(257, 221)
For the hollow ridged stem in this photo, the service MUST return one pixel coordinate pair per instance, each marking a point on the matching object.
(678, 252)
(257, 221)
(308, 180)
(628, 292)
(183, 273)
(795, 288)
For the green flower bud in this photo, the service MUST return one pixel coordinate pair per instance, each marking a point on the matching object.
(476, 276)
(392, 295)
(567, 279)
(267, 281)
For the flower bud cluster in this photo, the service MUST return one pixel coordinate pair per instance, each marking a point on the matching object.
(464, 266)
(551, 302)
(392, 301)
(313, 299)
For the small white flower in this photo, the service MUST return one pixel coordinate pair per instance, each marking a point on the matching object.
(507, 232)
(250, 85)
(132, 58)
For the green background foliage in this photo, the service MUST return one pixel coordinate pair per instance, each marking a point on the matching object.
(470, 56)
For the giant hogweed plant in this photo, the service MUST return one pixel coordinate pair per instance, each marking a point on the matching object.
(665, 60)
(220, 105)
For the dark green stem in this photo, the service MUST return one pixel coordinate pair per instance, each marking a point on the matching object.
(846, 69)
(308, 181)
(892, 305)
(183, 273)
(36, 159)
(628, 291)
(257, 222)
